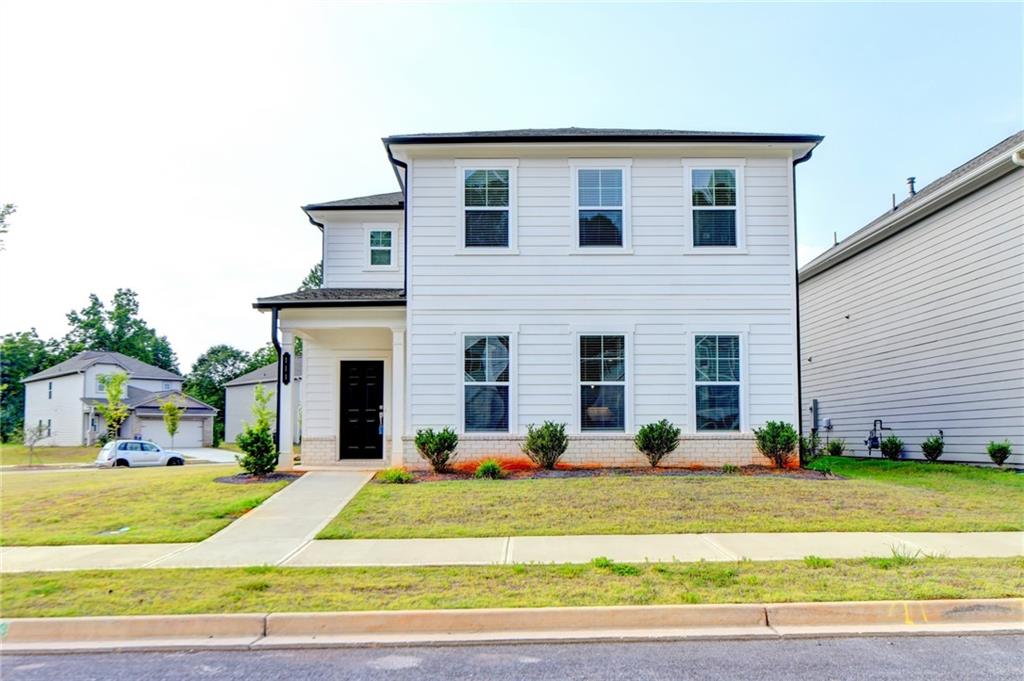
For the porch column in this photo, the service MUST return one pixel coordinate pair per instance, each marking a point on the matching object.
(397, 414)
(284, 428)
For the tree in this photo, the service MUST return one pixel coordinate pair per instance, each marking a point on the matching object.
(6, 211)
(214, 368)
(31, 437)
(118, 328)
(315, 278)
(114, 412)
(21, 354)
(172, 408)
(262, 357)
(257, 439)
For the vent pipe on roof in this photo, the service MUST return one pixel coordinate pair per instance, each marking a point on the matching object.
(910, 185)
(1018, 157)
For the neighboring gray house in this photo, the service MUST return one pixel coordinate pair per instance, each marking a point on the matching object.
(917, 319)
(238, 398)
(63, 399)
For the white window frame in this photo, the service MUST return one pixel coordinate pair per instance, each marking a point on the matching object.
(626, 166)
(510, 165)
(49, 427)
(49, 390)
(744, 382)
(381, 227)
(513, 380)
(167, 386)
(577, 426)
(736, 165)
(100, 390)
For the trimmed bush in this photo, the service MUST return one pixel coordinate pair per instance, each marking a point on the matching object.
(490, 469)
(892, 447)
(809, 448)
(932, 448)
(438, 448)
(835, 447)
(545, 444)
(394, 476)
(999, 452)
(776, 440)
(257, 439)
(657, 440)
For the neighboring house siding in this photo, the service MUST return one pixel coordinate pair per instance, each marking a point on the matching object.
(238, 403)
(545, 294)
(935, 335)
(154, 386)
(64, 410)
(91, 375)
(346, 250)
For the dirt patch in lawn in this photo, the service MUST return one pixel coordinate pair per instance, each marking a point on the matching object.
(246, 479)
(566, 471)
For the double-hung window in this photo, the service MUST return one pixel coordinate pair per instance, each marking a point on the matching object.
(717, 382)
(602, 207)
(486, 364)
(603, 383)
(488, 196)
(49, 390)
(714, 207)
(381, 247)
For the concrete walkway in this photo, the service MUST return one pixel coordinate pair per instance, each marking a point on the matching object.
(270, 535)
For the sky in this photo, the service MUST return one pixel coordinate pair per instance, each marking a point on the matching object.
(167, 147)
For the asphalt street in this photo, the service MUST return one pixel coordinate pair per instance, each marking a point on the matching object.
(848, 659)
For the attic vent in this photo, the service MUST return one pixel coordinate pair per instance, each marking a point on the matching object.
(910, 185)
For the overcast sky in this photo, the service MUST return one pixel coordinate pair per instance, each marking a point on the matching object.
(167, 147)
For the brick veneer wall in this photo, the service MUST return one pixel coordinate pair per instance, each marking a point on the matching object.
(323, 451)
(609, 450)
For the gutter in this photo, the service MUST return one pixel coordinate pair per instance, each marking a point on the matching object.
(796, 284)
(403, 183)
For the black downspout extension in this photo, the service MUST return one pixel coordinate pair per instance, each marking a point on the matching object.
(404, 182)
(277, 347)
(796, 274)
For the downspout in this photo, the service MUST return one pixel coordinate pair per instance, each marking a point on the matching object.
(796, 275)
(277, 347)
(402, 181)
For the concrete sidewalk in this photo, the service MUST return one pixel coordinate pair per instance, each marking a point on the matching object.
(273, 538)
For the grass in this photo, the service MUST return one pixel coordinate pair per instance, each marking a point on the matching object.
(272, 589)
(878, 496)
(172, 504)
(17, 455)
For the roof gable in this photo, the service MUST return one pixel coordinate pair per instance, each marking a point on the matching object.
(88, 358)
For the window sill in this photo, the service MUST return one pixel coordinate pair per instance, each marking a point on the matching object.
(601, 250)
(715, 250)
(391, 268)
(487, 251)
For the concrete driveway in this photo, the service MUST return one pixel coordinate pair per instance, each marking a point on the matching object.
(207, 454)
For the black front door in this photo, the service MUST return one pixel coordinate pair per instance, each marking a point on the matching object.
(362, 405)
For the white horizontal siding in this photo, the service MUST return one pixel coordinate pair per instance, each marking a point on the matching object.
(926, 330)
(545, 293)
(346, 254)
(64, 409)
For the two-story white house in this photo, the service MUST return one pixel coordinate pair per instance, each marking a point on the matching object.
(62, 399)
(599, 278)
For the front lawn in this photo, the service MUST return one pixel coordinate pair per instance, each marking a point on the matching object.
(874, 496)
(17, 455)
(172, 504)
(268, 589)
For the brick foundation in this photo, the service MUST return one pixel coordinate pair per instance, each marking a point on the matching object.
(609, 450)
(323, 451)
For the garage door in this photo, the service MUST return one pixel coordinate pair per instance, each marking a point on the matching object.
(190, 433)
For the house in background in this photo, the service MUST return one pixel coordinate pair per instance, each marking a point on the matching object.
(917, 319)
(63, 399)
(239, 392)
(600, 278)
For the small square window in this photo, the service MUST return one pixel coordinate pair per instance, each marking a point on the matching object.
(381, 247)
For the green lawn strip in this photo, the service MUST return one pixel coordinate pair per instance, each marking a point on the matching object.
(958, 500)
(17, 455)
(272, 589)
(158, 505)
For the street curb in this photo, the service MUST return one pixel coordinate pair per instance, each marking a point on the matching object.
(511, 625)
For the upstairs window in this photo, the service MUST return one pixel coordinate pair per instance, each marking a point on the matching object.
(601, 206)
(603, 383)
(49, 390)
(714, 205)
(486, 383)
(717, 382)
(487, 204)
(381, 247)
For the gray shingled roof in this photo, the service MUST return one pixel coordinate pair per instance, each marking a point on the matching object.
(854, 243)
(333, 297)
(84, 360)
(598, 134)
(267, 374)
(138, 398)
(388, 201)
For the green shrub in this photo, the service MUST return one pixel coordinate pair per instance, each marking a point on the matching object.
(730, 469)
(932, 447)
(657, 440)
(256, 441)
(776, 440)
(394, 476)
(438, 448)
(546, 443)
(999, 452)
(835, 447)
(809, 448)
(892, 447)
(491, 469)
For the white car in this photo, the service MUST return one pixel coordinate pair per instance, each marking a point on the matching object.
(136, 453)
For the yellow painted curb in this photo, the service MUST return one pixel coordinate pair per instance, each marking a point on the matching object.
(994, 610)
